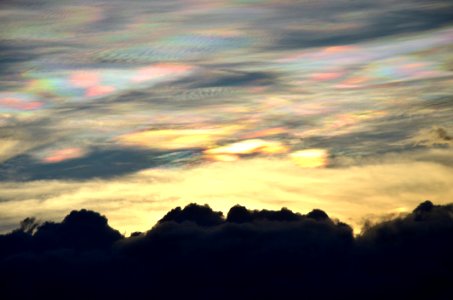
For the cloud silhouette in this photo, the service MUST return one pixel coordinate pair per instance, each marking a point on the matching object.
(200, 215)
(412, 254)
(81, 230)
(240, 214)
(194, 252)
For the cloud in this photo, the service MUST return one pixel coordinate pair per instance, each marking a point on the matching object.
(77, 164)
(201, 215)
(195, 252)
(81, 230)
(6, 148)
(178, 138)
(60, 155)
(233, 151)
(235, 79)
(310, 158)
(22, 135)
(344, 22)
(436, 136)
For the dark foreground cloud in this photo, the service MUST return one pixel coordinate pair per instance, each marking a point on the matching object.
(197, 253)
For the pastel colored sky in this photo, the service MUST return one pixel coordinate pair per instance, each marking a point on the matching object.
(134, 109)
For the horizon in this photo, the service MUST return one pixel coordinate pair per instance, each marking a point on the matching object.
(196, 214)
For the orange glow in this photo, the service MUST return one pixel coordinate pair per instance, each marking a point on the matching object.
(339, 49)
(222, 157)
(310, 158)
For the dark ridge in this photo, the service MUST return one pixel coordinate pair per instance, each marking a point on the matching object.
(318, 215)
(195, 253)
(201, 215)
(240, 214)
(81, 230)
(424, 207)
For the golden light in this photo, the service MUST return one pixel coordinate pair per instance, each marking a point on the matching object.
(177, 138)
(222, 157)
(310, 158)
(246, 147)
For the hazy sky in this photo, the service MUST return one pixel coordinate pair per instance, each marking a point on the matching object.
(132, 108)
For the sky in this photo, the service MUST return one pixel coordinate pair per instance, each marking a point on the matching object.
(132, 110)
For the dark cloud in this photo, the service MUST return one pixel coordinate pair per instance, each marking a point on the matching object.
(200, 215)
(439, 102)
(195, 253)
(12, 57)
(81, 230)
(412, 253)
(442, 134)
(435, 137)
(373, 20)
(100, 163)
(240, 214)
(233, 79)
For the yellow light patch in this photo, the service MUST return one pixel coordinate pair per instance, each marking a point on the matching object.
(177, 138)
(310, 158)
(402, 209)
(249, 147)
(7, 148)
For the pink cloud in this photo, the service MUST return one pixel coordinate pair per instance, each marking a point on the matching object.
(325, 76)
(63, 154)
(84, 79)
(19, 104)
(99, 90)
(159, 71)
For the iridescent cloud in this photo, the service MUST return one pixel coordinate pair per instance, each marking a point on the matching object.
(60, 155)
(13, 102)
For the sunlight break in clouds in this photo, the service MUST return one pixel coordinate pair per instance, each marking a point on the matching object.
(310, 158)
(137, 201)
(177, 138)
(233, 151)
